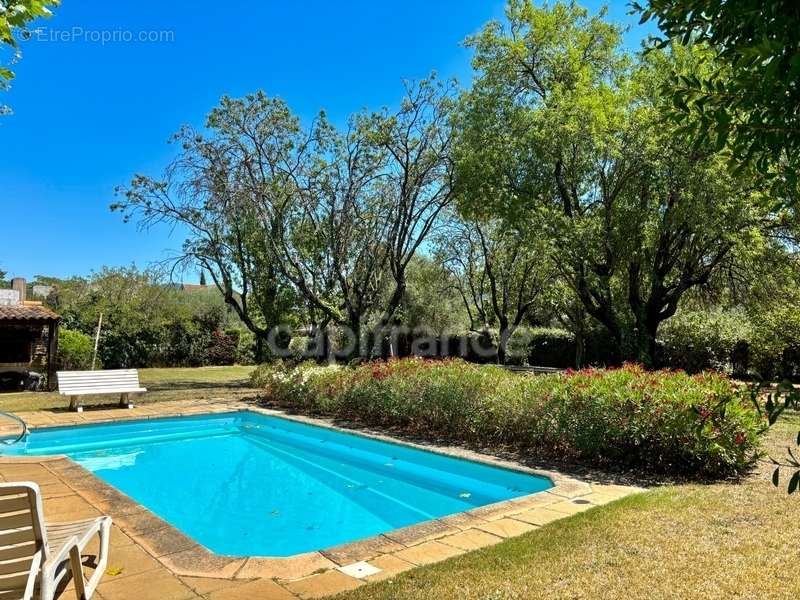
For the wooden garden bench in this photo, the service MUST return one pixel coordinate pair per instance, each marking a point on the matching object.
(114, 381)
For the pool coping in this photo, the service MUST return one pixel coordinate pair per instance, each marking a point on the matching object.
(185, 557)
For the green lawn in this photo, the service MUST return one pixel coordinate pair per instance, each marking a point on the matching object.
(163, 384)
(723, 540)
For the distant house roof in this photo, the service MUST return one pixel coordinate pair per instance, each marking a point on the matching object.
(193, 287)
(27, 312)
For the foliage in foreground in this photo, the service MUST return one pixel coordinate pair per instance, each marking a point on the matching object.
(663, 421)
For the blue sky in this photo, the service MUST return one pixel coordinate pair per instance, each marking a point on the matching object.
(88, 114)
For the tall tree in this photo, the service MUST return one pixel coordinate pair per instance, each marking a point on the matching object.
(748, 102)
(564, 132)
(499, 274)
(417, 181)
(280, 215)
(213, 190)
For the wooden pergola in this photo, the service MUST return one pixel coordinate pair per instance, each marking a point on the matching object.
(29, 339)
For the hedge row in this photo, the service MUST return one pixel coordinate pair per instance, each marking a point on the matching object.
(661, 421)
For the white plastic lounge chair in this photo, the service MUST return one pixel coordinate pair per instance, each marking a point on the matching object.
(35, 555)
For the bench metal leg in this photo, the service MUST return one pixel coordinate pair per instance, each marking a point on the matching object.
(75, 404)
(124, 401)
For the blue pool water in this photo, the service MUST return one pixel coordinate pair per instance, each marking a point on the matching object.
(249, 484)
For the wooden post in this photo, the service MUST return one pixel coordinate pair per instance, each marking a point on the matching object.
(52, 353)
(97, 339)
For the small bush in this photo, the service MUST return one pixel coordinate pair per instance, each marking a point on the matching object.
(75, 350)
(663, 421)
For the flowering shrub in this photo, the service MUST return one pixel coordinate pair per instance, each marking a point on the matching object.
(663, 420)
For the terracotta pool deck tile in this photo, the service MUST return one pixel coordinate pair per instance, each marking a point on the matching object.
(109, 500)
(73, 476)
(69, 508)
(495, 512)
(346, 554)
(390, 565)
(55, 490)
(260, 589)
(571, 507)
(427, 553)
(570, 488)
(471, 539)
(138, 522)
(157, 584)
(199, 562)
(293, 567)
(118, 540)
(59, 465)
(324, 584)
(206, 585)
(599, 499)
(168, 540)
(506, 528)
(422, 532)
(28, 472)
(463, 520)
(535, 500)
(540, 516)
(38, 419)
(129, 560)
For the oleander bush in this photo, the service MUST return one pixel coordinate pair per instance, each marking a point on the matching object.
(663, 420)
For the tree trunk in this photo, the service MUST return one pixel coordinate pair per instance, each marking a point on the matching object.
(502, 344)
(640, 345)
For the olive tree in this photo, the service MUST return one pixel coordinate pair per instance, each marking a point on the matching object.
(563, 133)
(498, 273)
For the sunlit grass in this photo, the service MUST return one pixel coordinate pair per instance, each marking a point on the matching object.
(722, 540)
(199, 383)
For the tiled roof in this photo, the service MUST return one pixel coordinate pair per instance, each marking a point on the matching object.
(192, 287)
(23, 312)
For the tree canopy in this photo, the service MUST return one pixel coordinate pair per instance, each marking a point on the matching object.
(747, 101)
(563, 131)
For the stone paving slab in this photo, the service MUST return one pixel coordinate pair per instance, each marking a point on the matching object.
(150, 559)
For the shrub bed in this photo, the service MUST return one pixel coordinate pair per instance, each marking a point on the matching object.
(664, 421)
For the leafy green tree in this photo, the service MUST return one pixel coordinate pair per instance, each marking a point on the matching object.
(146, 321)
(417, 179)
(309, 223)
(221, 190)
(432, 302)
(748, 102)
(500, 275)
(563, 134)
(15, 16)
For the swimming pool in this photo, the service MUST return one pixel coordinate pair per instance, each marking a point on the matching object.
(250, 484)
